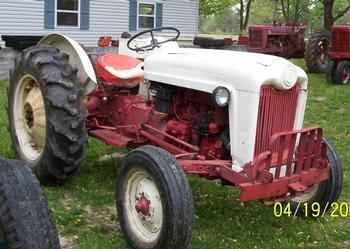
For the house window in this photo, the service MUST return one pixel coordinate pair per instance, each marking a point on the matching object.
(146, 15)
(68, 13)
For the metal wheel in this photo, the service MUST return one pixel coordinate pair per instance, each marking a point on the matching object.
(345, 76)
(46, 113)
(323, 52)
(308, 195)
(316, 54)
(144, 206)
(327, 191)
(342, 73)
(30, 117)
(154, 200)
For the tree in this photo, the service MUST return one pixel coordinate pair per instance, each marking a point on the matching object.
(333, 11)
(294, 11)
(244, 14)
(214, 7)
(219, 7)
(226, 22)
(261, 12)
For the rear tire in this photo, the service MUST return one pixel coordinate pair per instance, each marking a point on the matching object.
(342, 73)
(327, 192)
(46, 113)
(25, 219)
(316, 54)
(154, 200)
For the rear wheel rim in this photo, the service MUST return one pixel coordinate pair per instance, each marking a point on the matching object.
(144, 207)
(29, 118)
(323, 58)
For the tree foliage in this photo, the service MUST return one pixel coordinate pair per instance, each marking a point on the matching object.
(214, 7)
(233, 16)
(294, 11)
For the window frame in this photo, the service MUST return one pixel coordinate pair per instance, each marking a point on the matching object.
(78, 12)
(139, 15)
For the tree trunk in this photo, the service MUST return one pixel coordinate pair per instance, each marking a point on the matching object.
(328, 14)
(297, 12)
(241, 15)
(285, 10)
(247, 14)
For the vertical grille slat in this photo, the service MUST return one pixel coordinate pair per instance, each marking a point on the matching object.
(277, 110)
(256, 37)
(340, 40)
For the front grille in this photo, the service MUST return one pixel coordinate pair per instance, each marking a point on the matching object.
(277, 111)
(341, 41)
(256, 38)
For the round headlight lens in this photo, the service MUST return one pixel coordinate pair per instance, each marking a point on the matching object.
(221, 96)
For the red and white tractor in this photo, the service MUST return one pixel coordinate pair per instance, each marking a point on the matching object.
(221, 115)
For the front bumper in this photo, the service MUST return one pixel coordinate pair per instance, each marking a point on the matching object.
(295, 161)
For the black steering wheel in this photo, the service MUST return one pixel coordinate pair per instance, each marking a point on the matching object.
(154, 43)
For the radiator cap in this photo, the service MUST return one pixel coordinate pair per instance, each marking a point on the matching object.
(283, 75)
(289, 76)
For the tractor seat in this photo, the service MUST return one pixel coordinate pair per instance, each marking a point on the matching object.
(119, 70)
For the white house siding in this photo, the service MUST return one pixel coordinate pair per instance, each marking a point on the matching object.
(107, 17)
(21, 17)
(182, 14)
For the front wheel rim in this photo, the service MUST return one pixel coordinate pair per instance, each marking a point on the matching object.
(29, 118)
(144, 207)
(308, 195)
(345, 75)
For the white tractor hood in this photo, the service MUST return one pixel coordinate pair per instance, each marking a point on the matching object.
(206, 69)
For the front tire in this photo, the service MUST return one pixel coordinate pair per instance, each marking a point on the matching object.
(327, 192)
(342, 73)
(154, 200)
(46, 113)
(25, 219)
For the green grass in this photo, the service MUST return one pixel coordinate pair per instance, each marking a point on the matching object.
(84, 207)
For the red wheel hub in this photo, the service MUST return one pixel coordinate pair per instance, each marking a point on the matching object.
(345, 74)
(143, 206)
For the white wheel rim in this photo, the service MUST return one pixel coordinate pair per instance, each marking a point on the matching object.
(143, 205)
(307, 196)
(29, 118)
(346, 75)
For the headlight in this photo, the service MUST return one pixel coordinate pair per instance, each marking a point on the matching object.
(221, 96)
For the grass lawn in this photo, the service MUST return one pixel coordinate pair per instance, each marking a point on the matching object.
(85, 214)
